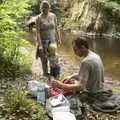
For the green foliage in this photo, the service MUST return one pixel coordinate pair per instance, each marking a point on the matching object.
(107, 4)
(110, 10)
(69, 24)
(17, 104)
(56, 7)
(16, 100)
(12, 14)
(15, 57)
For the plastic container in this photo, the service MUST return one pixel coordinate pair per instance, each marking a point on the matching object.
(42, 92)
(32, 87)
(41, 97)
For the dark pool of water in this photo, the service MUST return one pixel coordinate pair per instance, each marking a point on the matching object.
(108, 48)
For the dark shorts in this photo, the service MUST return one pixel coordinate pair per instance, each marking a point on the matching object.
(55, 71)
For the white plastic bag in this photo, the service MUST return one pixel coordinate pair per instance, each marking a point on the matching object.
(57, 104)
(32, 87)
(63, 116)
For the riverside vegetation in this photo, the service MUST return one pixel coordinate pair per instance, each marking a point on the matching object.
(16, 61)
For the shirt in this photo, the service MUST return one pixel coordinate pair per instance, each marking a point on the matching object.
(54, 61)
(92, 72)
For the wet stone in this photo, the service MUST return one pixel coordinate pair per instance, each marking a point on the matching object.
(4, 87)
(2, 91)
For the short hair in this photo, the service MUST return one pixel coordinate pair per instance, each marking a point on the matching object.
(53, 46)
(79, 41)
(44, 3)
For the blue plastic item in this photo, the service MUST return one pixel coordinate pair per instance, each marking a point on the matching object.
(41, 96)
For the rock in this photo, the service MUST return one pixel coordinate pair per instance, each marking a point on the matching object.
(2, 91)
(4, 86)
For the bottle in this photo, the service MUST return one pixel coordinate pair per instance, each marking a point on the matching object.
(41, 97)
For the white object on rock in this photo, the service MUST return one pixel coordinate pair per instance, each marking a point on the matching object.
(63, 116)
(32, 87)
(57, 104)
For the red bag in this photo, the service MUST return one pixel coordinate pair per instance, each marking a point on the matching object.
(56, 91)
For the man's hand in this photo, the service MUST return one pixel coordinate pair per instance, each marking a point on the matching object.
(55, 83)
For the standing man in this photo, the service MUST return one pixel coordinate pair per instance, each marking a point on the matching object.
(46, 25)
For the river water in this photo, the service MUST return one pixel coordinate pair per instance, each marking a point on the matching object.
(107, 47)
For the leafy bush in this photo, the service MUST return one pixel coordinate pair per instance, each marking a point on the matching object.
(107, 4)
(14, 57)
(17, 104)
(12, 36)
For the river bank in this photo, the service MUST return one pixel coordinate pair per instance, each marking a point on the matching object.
(68, 67)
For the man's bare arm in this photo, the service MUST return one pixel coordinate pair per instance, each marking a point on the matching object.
(76, 86)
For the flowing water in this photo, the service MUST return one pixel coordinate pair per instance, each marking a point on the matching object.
(107, 47)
